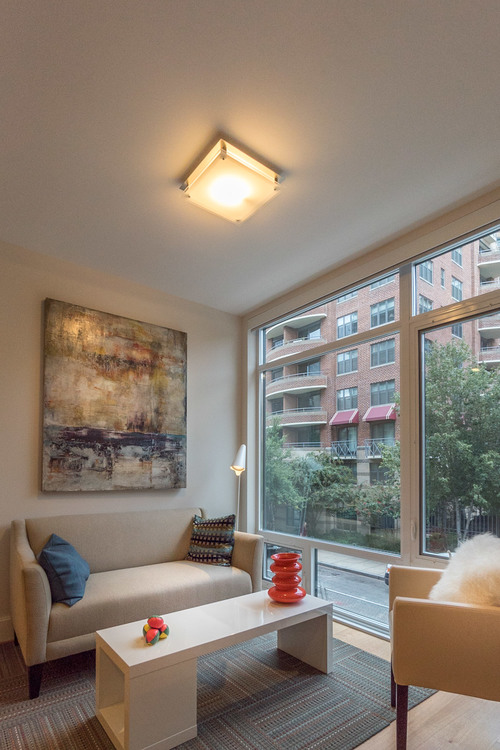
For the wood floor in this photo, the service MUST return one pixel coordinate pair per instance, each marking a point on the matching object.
(442, 721)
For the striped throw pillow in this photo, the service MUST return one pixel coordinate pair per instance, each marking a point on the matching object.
(212, 540)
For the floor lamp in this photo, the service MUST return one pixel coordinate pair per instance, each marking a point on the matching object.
(238, 466)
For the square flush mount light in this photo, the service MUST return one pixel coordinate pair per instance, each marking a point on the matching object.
(230, 183)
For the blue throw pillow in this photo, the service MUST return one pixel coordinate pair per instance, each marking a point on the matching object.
(66, 570)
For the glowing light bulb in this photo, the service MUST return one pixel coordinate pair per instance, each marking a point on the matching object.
(230, 190)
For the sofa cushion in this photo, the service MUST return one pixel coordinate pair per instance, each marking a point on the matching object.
(212, 540)
(119, 596)
(66, 570)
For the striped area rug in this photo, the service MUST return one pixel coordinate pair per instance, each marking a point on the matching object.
(250, 697)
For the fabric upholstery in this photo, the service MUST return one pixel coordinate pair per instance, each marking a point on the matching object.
(66, 570)
(137, 566)
(119, 596)
(442, 645)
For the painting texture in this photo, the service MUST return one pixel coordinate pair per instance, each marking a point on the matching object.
(114, 413)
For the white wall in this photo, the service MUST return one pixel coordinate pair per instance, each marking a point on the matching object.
(213, 402)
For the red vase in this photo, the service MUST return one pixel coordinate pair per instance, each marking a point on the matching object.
(286, 567)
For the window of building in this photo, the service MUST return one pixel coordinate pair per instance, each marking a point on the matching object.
(276, 405)
(309, 401)
(348, 296)
(382, 393)
(457, 330)
(443, 277)
(456, 256)
(347, 398)
(456, 289)
(311, 367)
(277, 341)
(384, 281)
(347, 362)
(382, 313)
(311, 331)
(424, 304)
(347, 325)
(382, 353)
(276, 373)
(425, 270)
(307, 437)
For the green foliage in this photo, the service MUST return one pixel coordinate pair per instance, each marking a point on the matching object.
(462, 434)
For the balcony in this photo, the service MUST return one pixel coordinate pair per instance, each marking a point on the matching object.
(489, 286)
(374, 446)
(489, 354)
(298, 417)
(298, 383)
(299, 322)
(344, 449)
(489, 326)
(293, 346)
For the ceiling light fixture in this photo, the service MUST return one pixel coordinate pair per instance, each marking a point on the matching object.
(231, 184)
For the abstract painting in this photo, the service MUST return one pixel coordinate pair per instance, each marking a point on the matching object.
(114, 411)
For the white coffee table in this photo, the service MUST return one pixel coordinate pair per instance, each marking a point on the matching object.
(146, 695)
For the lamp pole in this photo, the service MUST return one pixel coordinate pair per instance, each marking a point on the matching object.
(238, 466)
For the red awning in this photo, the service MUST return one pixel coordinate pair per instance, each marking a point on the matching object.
(348, 416)
(379, 413)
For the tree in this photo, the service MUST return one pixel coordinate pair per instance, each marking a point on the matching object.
(462, 435)
(279, 483)
(326, 486)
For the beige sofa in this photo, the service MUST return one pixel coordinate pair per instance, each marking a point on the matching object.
(137, 569)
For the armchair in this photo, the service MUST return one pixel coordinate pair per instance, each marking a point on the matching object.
(441, 645)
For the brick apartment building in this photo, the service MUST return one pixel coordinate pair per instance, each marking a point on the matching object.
(345, 400)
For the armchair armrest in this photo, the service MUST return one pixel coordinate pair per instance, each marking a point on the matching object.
(247, 555)
(30, 597)
(414, 582)
(446, 646)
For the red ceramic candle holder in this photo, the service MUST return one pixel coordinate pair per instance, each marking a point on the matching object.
(286, 567)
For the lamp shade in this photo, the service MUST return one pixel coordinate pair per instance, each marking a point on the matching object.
(229, 183)
(239, 463)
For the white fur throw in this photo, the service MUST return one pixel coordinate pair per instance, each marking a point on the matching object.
(473, 573)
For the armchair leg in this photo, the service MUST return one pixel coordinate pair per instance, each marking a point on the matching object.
(401, 716)
(393, 689)
(35, 680)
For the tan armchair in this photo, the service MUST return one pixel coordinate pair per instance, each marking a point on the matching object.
(440, 645)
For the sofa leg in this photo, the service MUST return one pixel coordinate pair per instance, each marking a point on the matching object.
(35, 680)
(401, 716)
(393, 689)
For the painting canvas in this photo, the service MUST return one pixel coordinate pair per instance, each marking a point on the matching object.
(114, 415)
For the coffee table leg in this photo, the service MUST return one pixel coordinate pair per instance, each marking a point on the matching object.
(309, 641)
(161, 707)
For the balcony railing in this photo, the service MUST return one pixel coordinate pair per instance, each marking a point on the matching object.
(489, 353)
(299, 381)
(304, 415)
(489, 286)
(374, 446)
(291, 347)
(344, 449)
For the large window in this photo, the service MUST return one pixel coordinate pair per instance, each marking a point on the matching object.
(461, 428)
(352, 419)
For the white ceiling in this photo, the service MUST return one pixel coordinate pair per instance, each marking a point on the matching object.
(381, 114)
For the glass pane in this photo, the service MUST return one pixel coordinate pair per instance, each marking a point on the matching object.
(358, 311)
(331, 449)
(355, 586)
(461, 432)
(457, 274)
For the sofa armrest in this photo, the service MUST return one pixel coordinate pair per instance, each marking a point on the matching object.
(247, 555)
(447, 646)
(413, 582)
(30, 597)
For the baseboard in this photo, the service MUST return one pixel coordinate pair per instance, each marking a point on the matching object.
(6, 630)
